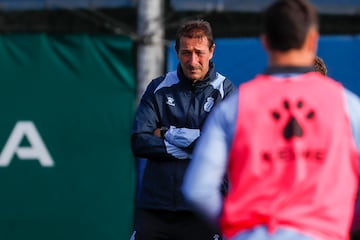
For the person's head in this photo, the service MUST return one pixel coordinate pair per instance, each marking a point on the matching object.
(319, 65)
(195, 47)
(290, 32)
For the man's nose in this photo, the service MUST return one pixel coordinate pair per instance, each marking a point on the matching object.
(193, 59)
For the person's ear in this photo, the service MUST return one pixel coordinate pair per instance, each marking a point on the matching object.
(212, 50)
(264, 42)
(312, 39)
(177, 52)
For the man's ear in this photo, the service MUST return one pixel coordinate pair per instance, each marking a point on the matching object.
(264, 42)
(212, 50)
(177, 52)
(312, 39)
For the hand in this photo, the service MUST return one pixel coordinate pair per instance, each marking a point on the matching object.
(175, 151)
(181, 137)
(160, 132)
(157, 132)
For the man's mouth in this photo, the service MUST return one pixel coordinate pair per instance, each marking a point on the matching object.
(194, 69)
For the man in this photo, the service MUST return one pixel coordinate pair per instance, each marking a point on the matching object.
(289, 141)
(320, 66)
(168, 122)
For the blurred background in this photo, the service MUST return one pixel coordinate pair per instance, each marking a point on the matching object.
(72, 72)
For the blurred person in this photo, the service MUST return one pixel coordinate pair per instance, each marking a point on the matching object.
(289, 140)
(320, 66)
(167, 125)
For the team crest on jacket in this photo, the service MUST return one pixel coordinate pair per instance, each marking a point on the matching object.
(209, 104)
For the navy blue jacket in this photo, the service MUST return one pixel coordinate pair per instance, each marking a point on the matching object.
(171, 100)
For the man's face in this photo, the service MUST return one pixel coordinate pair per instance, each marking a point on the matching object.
(194, 56)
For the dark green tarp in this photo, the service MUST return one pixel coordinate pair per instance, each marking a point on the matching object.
(70, 100)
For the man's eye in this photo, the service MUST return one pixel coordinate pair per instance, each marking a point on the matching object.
(200, 53)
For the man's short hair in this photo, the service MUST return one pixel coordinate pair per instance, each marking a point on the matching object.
(287, 22)
(195, 29)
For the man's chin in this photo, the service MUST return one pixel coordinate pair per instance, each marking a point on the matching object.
(194, 77)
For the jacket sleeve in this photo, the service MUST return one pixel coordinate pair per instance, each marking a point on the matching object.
(205, 174)
(353, 105)
(143, 142)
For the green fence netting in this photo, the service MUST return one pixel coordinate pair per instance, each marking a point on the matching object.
(66, 169)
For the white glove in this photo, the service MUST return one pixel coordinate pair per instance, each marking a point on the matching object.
(175, 151)
(181, 137)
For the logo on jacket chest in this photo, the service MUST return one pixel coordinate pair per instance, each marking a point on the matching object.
(170, 101)
(210, 101)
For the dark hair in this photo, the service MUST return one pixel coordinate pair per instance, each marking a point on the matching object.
(195, 29)
(319, 65)
(286, 23)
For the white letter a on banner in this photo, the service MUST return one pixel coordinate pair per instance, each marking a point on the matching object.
(36, 150)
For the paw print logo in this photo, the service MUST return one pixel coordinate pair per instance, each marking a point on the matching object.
(292, 127)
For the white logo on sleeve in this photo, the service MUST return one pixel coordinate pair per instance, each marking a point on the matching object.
(209, 104)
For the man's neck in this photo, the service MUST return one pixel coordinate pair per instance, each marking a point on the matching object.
(291, 58)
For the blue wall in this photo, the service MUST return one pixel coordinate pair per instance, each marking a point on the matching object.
(323, 6)
(241, 58)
